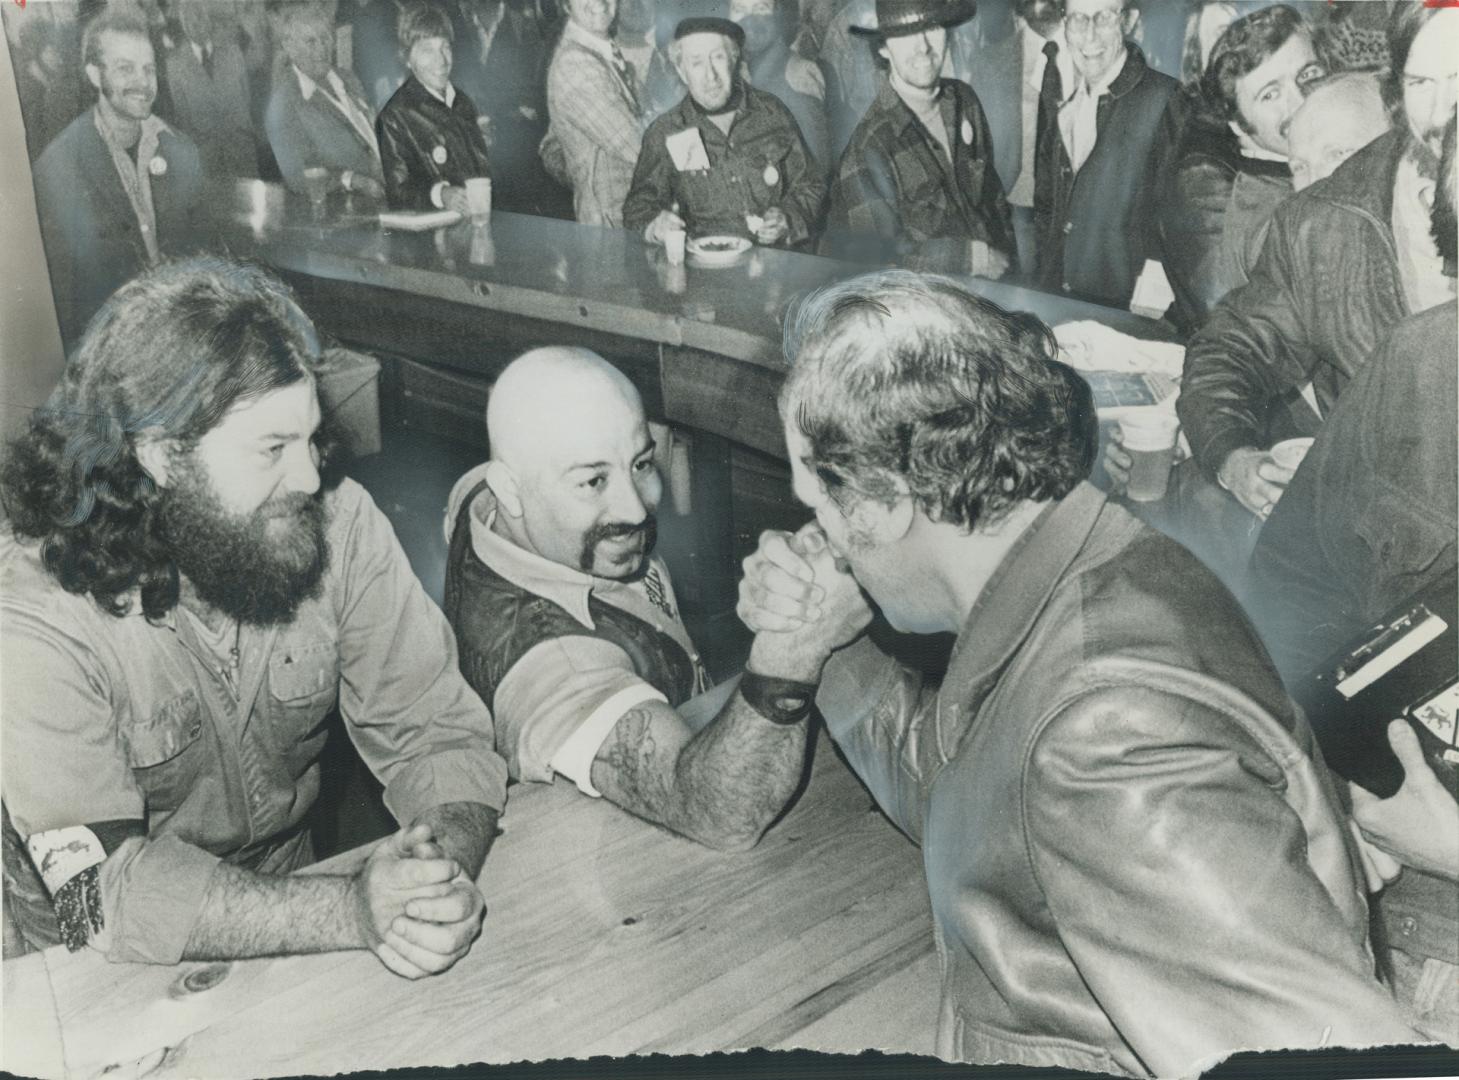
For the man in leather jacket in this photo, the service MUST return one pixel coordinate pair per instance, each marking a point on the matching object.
(1343, 261)
(1136, 864)
(1231, 171)
(432, 138)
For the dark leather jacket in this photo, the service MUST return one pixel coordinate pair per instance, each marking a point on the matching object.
(1213, 218)
(1326, 287)
(422, 142)
(1134, 861)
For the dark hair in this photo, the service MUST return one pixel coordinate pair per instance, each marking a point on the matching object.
(167, 356)
(421, 20)
(1442, 217)
(1404, 23)
(903, 376)
(110, 21)
(1240, 50)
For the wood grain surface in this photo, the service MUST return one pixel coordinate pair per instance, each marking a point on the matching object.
(604, 935)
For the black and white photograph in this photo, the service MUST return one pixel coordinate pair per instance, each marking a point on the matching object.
(755, 539)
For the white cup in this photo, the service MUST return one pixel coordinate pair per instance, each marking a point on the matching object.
(1289, 452)
(478, 197)
(674, 241)
(1149, 439)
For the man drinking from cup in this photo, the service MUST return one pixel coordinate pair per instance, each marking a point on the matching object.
(432, 138)
(728, 156)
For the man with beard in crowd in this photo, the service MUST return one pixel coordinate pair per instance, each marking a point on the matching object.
(916, 184)
(569, 629)
(729, 158)
(118, 187)
(181, 607)
(1343, 261)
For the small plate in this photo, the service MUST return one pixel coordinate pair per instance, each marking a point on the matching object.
(717, 250)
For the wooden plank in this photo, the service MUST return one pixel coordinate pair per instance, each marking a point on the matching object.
(604, 935)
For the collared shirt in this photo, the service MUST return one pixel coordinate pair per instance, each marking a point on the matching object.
(1079, 115)
(1034, 60)
(557, 704)
(340, 98)
(118, 721)
(136, 174)
(763, 162)
(204, 53)
(1419, 262)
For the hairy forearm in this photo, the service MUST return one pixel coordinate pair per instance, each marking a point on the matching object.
(247, 914)
(464, 831)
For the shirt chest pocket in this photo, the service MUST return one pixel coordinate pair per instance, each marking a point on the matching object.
(162, 750)
(303, 685)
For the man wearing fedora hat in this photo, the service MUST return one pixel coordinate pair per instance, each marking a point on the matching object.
(728, 158)
(916, 183)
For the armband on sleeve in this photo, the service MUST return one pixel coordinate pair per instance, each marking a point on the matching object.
(68, 860)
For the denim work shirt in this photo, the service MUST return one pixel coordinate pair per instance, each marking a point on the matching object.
(137, 732)
(762, 162)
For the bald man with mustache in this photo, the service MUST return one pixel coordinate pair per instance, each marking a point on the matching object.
(569, 629)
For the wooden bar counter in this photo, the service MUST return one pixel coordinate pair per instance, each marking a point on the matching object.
(603, 935)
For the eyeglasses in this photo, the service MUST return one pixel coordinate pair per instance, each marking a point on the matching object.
(1080, 24)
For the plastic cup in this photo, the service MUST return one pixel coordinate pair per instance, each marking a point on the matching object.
(316, 185)
(1150, 442)
(1289, 452)
(478, 197)
(674, 241)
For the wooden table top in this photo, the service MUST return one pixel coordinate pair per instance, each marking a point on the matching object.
(603, 935)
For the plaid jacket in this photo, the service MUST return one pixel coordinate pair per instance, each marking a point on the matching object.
(895, 195)
(598, 122)
(763, 162)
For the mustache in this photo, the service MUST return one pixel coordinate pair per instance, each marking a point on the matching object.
(648, 528)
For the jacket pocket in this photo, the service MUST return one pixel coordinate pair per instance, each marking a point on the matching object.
(1405, 547)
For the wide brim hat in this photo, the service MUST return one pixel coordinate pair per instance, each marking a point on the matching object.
(897, 17)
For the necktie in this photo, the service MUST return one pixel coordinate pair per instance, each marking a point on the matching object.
(1051, 90)
(625, 74)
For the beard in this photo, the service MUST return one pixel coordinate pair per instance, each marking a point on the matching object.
(235, 562)
(617, 530)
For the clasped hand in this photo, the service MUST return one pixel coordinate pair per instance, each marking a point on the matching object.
(794, 594)
(415, 908)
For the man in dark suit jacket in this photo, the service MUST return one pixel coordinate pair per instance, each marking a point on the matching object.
(1093, 201)
(431, 137)
(207, 79)
(317, 115)
(117, 188)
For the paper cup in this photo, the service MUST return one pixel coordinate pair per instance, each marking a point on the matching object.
(478, 197)
(1149, 439)
(1290, 452)
(674, 241)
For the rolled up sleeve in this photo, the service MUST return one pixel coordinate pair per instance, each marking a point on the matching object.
(416, 722)
(66, 773)
(564, 690)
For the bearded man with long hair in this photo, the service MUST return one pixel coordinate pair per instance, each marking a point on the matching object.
(182, 605)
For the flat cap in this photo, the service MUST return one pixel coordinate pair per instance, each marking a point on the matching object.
(709, 24)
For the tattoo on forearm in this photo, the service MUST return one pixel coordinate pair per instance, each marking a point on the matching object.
(722, 787)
